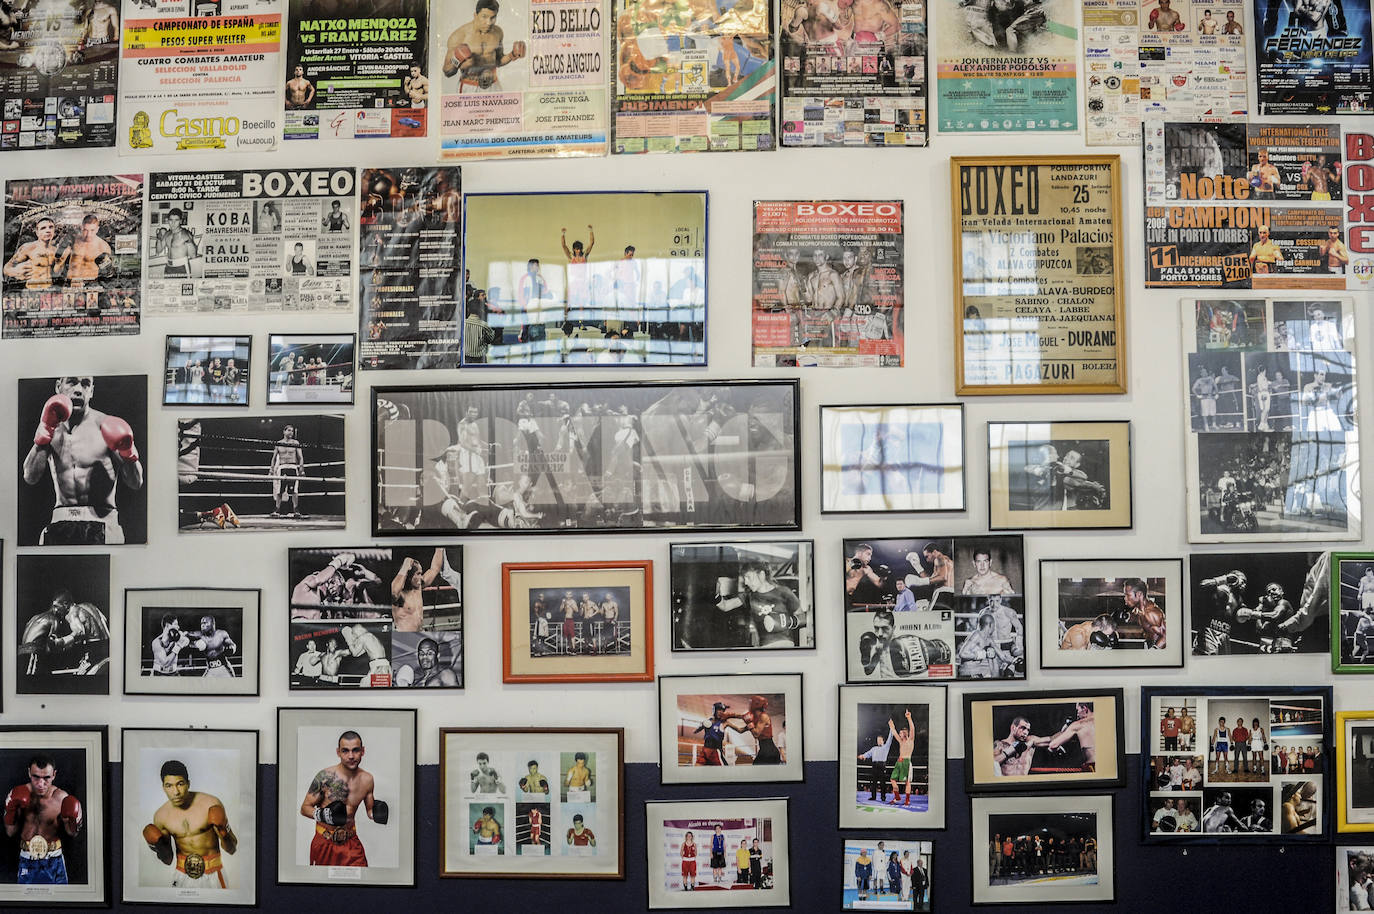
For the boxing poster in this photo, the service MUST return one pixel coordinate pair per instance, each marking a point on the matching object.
(1007, 66)
(81, 443)
(1289, 163)
(1312, 57)
(1272, 444)
(243, 474)
(357, 70)
(1261, 603)
(73, 257)
(693, 80)
(63, 624)
(522, 78)
(200, 76)
(59, 70)
(842, 307)
(858, 81)
(250, 241)
(1357, 184)
(409, 253)
(1183, 60)
(376, 618)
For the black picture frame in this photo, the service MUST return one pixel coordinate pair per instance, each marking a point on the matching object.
(878, 503)
(982, 728)
(169, 373)
(729, 411)
(194, 601)
(683, 592)
(721, 686)
(273, 373)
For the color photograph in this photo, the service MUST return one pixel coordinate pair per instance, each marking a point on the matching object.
(730, 729)
(887, 875)
(718, 854)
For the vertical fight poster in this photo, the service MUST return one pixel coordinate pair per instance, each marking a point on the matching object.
(357, 70)
(522, 78)
(72, 256)
(1312, 57)
(200, 75)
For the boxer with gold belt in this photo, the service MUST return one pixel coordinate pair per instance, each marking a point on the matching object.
(333, 799)
(38, 814)
(190, 831)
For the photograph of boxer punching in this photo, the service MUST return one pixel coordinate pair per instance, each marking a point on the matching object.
(722, 730)
(64, 630)
(737, 596)
(1042, 740)
(1262, 603)
(81, 466)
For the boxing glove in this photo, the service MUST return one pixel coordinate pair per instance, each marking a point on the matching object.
(71, 810)
(869, 646)
(405, 677)
(855, 564)
(1016, 749)
(381, 812)
(218, 819)
(335, 813)
(15, 803)
(517, 50)
(461, 55)
(118, 437)
(1101, 641)
(161, 844)
(57, 410)
(342, 559)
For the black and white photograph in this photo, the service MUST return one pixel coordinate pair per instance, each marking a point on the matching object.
(607, 457)
(192, 641)
(1237, 810)
(376, 617)
(1354, 878)
(62, 620)
(887, 874)
(310, 368)
(878, 458)
(730, 728)
(892, 756)
(1071, 475)
(260, 473)
(57, 851)
(1354, 771)
(190, 822)
(935, 608)
(1351, 575)
(81, 467)
(1111, 613)
(1044, 740)
(1311, 326)
(1260, 603)
(207, 370)
(1061, 850)
(749, 595)
(718, 854)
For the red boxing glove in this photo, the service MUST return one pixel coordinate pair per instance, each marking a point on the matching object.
(217, 819)
(461, 54)
(15, 803)
(57, 410)
(71, 809)
(517, 50)
(118, 437)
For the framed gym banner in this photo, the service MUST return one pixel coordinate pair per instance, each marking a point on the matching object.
(1037, 266)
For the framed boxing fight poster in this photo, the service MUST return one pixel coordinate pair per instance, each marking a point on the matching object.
(754, 595)
(1062, 850)
(892, 458)
(696, 847)
(730, 729)
(190, 823)
(1352, 615)
(1060, 740)
(1354, 771)
(892, 874)
(609, 457)
(577, 621)
(192, 641)
(535, 804)
(1111, 613)
(1236, 764)
(892, 756)
(207, 370)
(1039, 303)
(346, 797)
(60, 853)
(1072, 475)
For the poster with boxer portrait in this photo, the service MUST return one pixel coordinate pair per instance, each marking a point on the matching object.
(192, 641)
(190, 824)
(1312, 59)
(731, 729)
(81, 460)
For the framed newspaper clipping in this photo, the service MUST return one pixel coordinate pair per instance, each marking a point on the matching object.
(1038, 274)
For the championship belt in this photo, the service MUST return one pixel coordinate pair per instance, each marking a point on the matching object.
(38, 846)
(195, 866)
(341, 834)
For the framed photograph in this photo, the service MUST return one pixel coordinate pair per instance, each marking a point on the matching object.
(892, 459)
(718, 854)
(192, 641)
(62, 620)
(613, 279)
(743, 596)
(1271, 444)
(1073, 475)
(1354, 877)
(87, 427)
(62, 834)
(310, 368)
(934, 609)
(1352, 624)
(892, 742)
(1019, 741)
(887, 874)
(207, 370)
(1111, 613)
(577, 621)
(730, 729)
(536, 804)
(260, 473)
(1259, 603)
(1354, 771)
(1039, 309)
(611, 457)
(1061, 850)
(190, 822)
(1236, 764)
(375, 616)
(346, 797)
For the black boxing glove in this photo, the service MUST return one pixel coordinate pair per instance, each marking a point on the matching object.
(856, 564)
(1016, 749)
(380, 812)
(335, 813)
(1121, 616)
(1101, 640)
(869, 647)
(884, 571)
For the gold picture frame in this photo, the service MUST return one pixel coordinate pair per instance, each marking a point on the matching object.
(1349, 816)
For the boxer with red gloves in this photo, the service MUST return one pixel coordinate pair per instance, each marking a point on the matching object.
(190, 831)
(474, 50)
(87, 453)
(333, 800)
(39, 814)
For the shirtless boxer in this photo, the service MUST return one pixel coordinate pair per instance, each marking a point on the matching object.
(189, 831)
(89, 632)
(408, 589)
(533, 781)
(167, 645)
(610, 613)
(328, 585)
(310, 664)
(487, 829)
(984, 581)
(362, 642)
(333, 800)
(416, 86)
(901, 771)
(1264, 254)
(329, 663)
(1144, 612)
(589, 611)
(430, 674)
(823, 290)
(1006, 627)
(40, 633)
(1208, 24)
(474, 50)
(336, 220)
(102, 24)
(89, 255)
(1220, 817)
(1319, 177)
(288, 464)
(760, 725)
(982, 656)
(300, 92)
(1093, 635)
(483, 778)
(33, 261)
(1165, 18)
(217, 645)
(579, 779)
(1264, 176)
(39, 813)
(87, 454)
(1013, 754)
(1333, 250)
(1300, 809)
